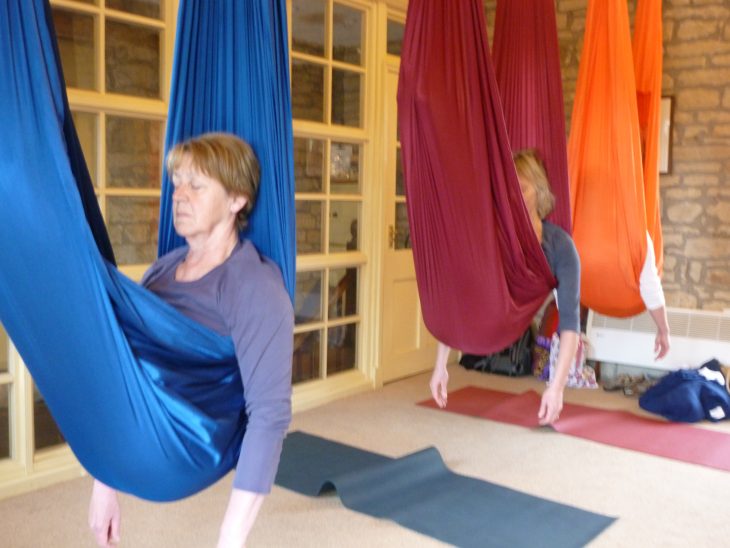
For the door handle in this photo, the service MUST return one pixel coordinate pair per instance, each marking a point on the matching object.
(392, 232)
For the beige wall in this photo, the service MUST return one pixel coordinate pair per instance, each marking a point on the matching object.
(696, 194)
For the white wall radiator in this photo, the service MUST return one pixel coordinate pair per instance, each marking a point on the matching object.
(696, 336)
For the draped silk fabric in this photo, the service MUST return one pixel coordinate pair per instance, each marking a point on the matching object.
(647, 48)
(481, 272)
(149, 401)
(232, 77)
(527, 67)
(604, 153)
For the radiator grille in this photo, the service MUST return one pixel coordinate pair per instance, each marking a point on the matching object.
(724, 334)
(696, 324)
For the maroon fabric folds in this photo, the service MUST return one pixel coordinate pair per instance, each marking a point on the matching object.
(481, 272)
(527, 68)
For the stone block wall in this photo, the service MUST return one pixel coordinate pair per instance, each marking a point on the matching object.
(696, 194)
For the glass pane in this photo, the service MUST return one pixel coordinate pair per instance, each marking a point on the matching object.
(345, 168)
(347, 34)
(133, 152)
(308, 164)
(4, 348)
(86, 128)
(342, 292)
(309, 226)
(402, 230)
(146, 8)
(341, 348)
(305, 362)
(307, 26)
(344, 221)
(400, 187)
(395, 37)
(307, 91)
(76, 45)
(132, 60)
(345, 98)
(132, 223)
(4, 421)
(47, 433)
(308, 300)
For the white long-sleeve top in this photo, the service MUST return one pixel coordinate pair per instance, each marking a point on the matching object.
(650, 286)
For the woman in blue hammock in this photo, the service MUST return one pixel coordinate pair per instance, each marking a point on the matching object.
(224, 284)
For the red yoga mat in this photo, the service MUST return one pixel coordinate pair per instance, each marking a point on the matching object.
(676, 441)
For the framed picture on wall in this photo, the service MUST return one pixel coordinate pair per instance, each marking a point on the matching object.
(665, 135)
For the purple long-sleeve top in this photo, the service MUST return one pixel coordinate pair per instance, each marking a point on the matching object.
(244, 298)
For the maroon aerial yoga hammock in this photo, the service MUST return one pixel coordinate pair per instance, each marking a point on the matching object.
(481, 272)
(527, 68)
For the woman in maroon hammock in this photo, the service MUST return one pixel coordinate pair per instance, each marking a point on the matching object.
(564, 263)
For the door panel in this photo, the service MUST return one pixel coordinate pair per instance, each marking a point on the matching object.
(408, 348)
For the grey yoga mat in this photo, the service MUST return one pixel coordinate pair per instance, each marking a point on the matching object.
(419, 492)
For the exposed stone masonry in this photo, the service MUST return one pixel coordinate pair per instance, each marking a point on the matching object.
(696, 193)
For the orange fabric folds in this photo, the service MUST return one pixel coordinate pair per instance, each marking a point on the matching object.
(648, 70)
(605, 165)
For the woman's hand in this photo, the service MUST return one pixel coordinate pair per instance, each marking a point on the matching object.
(440, 377)
(243, 507)
(104, 515)
(552, 398)
(438, 384)
(551, 405)
(661, 344)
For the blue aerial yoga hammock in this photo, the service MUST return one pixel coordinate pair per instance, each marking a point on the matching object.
(235, 80)
(149, 401)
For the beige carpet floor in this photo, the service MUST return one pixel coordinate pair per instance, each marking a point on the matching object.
(658, 502)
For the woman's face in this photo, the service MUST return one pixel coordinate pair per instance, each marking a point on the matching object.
(528, 194)
(201, 205)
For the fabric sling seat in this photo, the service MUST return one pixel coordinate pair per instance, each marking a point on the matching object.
(149, 401)
(647, 50)
(527, 68)
(611, 212)
(480, 269)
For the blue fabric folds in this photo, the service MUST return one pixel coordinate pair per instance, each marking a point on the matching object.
(231, 74)
(687, 396)
(149, 401)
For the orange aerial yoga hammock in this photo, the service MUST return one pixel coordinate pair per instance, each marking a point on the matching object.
(648, 70)
(605, 164)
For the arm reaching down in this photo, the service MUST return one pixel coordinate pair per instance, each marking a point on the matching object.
(552, 399)
(661, 341)
(104, 515)
(440, 376)
(650, 287)
(243, 507)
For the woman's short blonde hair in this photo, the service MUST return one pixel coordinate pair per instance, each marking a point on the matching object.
(530, 167)
(226, 158)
